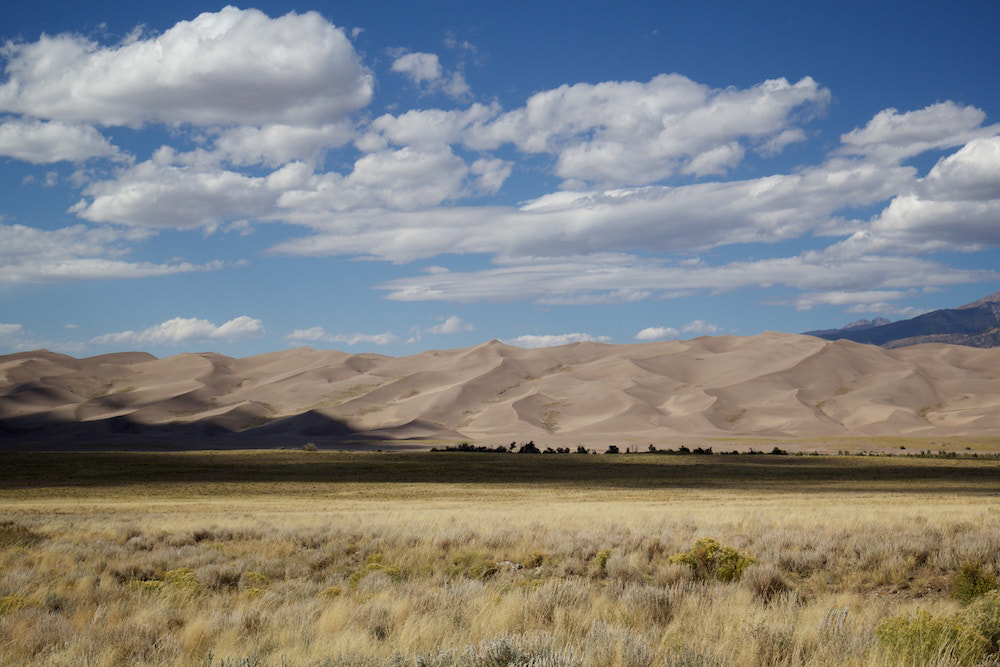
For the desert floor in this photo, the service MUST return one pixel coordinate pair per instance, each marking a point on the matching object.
(325, 558)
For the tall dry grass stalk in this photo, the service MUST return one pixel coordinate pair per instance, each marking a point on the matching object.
(473, 575)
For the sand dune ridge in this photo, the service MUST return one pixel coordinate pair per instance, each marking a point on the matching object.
(767, 385)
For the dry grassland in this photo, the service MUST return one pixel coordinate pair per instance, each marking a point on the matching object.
(317, 558)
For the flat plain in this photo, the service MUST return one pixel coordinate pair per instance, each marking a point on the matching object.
(328, 558)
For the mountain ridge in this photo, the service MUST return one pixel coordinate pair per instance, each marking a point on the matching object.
(976, 324)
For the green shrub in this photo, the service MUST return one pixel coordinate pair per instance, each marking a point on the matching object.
(923, 639)
(599, 564)
(709, 560)
(983, 617)
(972, 581)
(182, 581)
(373, 563)
(472, 566)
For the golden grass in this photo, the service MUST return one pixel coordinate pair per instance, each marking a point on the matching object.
(452, 566)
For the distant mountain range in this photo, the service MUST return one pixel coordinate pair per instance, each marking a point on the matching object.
(976, 324)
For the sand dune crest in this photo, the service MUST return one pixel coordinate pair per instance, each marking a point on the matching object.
(585, 393)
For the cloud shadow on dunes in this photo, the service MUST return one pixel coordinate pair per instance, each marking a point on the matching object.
(39, 433)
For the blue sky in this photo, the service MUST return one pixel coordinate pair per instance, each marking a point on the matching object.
(395, 177)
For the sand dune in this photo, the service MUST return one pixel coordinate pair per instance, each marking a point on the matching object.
(769, 385)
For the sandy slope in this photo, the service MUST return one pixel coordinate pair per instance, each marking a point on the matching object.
(766, 385)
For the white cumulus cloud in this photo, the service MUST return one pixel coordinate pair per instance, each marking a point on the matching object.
(955, 207)
(279, 144)
(425, 70)
(181, 330)
(648, 218)
(970, 174)
(220, 68)
(193, 190)
(422, 127)
(178, 190)
(451, 325)
(694, 327)
(625, 132)
(43, 142)
(657, 333)
(636, 133)
(894, 136)
(644, 168)
(419, 67)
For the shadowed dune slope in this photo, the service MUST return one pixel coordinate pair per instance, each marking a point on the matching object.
(767, 385)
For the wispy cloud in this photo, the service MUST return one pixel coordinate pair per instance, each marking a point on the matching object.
(541, 278)
(18, 338)
(32, 255)
(700, 327)
(320, 335)
(552, 340)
